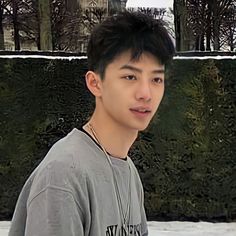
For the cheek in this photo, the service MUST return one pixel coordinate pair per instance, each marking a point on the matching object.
(162, 93)
(113, 98)
(158, 95)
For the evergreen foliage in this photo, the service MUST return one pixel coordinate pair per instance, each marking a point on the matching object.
(186, 158)
(41, 101)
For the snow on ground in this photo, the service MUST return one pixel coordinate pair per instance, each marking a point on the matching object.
(4, 227)
(172, 228)
(175, 228)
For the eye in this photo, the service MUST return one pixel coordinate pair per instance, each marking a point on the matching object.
(130, 77)
(158, 80)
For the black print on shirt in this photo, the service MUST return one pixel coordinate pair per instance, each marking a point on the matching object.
(131, 230)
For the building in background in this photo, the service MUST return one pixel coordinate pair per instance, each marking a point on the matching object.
(94, 11)
(93, 3)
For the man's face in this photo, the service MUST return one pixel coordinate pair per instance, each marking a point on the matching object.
(131, 91)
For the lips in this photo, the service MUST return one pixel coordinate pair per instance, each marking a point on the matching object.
(141, 112)
(141, 109)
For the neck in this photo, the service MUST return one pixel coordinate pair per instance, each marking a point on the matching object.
(114, 138)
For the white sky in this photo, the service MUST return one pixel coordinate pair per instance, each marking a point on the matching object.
(149, 3)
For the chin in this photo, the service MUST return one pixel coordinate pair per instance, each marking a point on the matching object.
(138, 126)
(142, 128)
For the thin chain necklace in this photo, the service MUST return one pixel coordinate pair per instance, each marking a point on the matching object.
(125, 216)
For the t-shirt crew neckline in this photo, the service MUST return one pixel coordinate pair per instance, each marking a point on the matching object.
(94, 141)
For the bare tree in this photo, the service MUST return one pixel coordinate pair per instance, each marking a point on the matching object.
(15, 9)
(204, 22)
(182, 35)
(19, 15)
(29, 23)
(93, 16)
(71, 5)
(228, 29)
(45, 31)
(219, 8)
(2, 46)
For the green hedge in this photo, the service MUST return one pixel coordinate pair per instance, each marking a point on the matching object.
(186, 159)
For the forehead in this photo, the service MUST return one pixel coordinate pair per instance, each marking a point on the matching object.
(146, 58)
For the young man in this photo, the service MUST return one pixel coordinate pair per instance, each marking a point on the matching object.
(87, 185)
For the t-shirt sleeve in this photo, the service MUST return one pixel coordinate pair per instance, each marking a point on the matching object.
(143, 214)
(144, 228)
(54, 211)
(144, 222)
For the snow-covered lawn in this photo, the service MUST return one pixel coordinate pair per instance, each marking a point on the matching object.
(176, 228)
(4, 227)
(172, 228)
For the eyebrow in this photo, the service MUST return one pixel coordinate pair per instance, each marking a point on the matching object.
(129, 67)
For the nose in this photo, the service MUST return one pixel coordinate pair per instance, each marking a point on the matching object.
(143, 92)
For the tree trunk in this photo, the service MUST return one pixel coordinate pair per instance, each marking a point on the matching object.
(197, 43)
(45, 31)
(180, 18)
(216, 34)
(216, 25)
(231, 39)
(72, 5)
(15, 24)
(208, 26)
(177, 25)
(202, 42)
(2, 47)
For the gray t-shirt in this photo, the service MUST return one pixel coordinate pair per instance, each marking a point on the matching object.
(72, 193)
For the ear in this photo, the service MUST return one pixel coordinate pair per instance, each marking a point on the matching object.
(93, 82)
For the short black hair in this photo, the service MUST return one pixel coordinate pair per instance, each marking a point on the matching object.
(132, 31)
